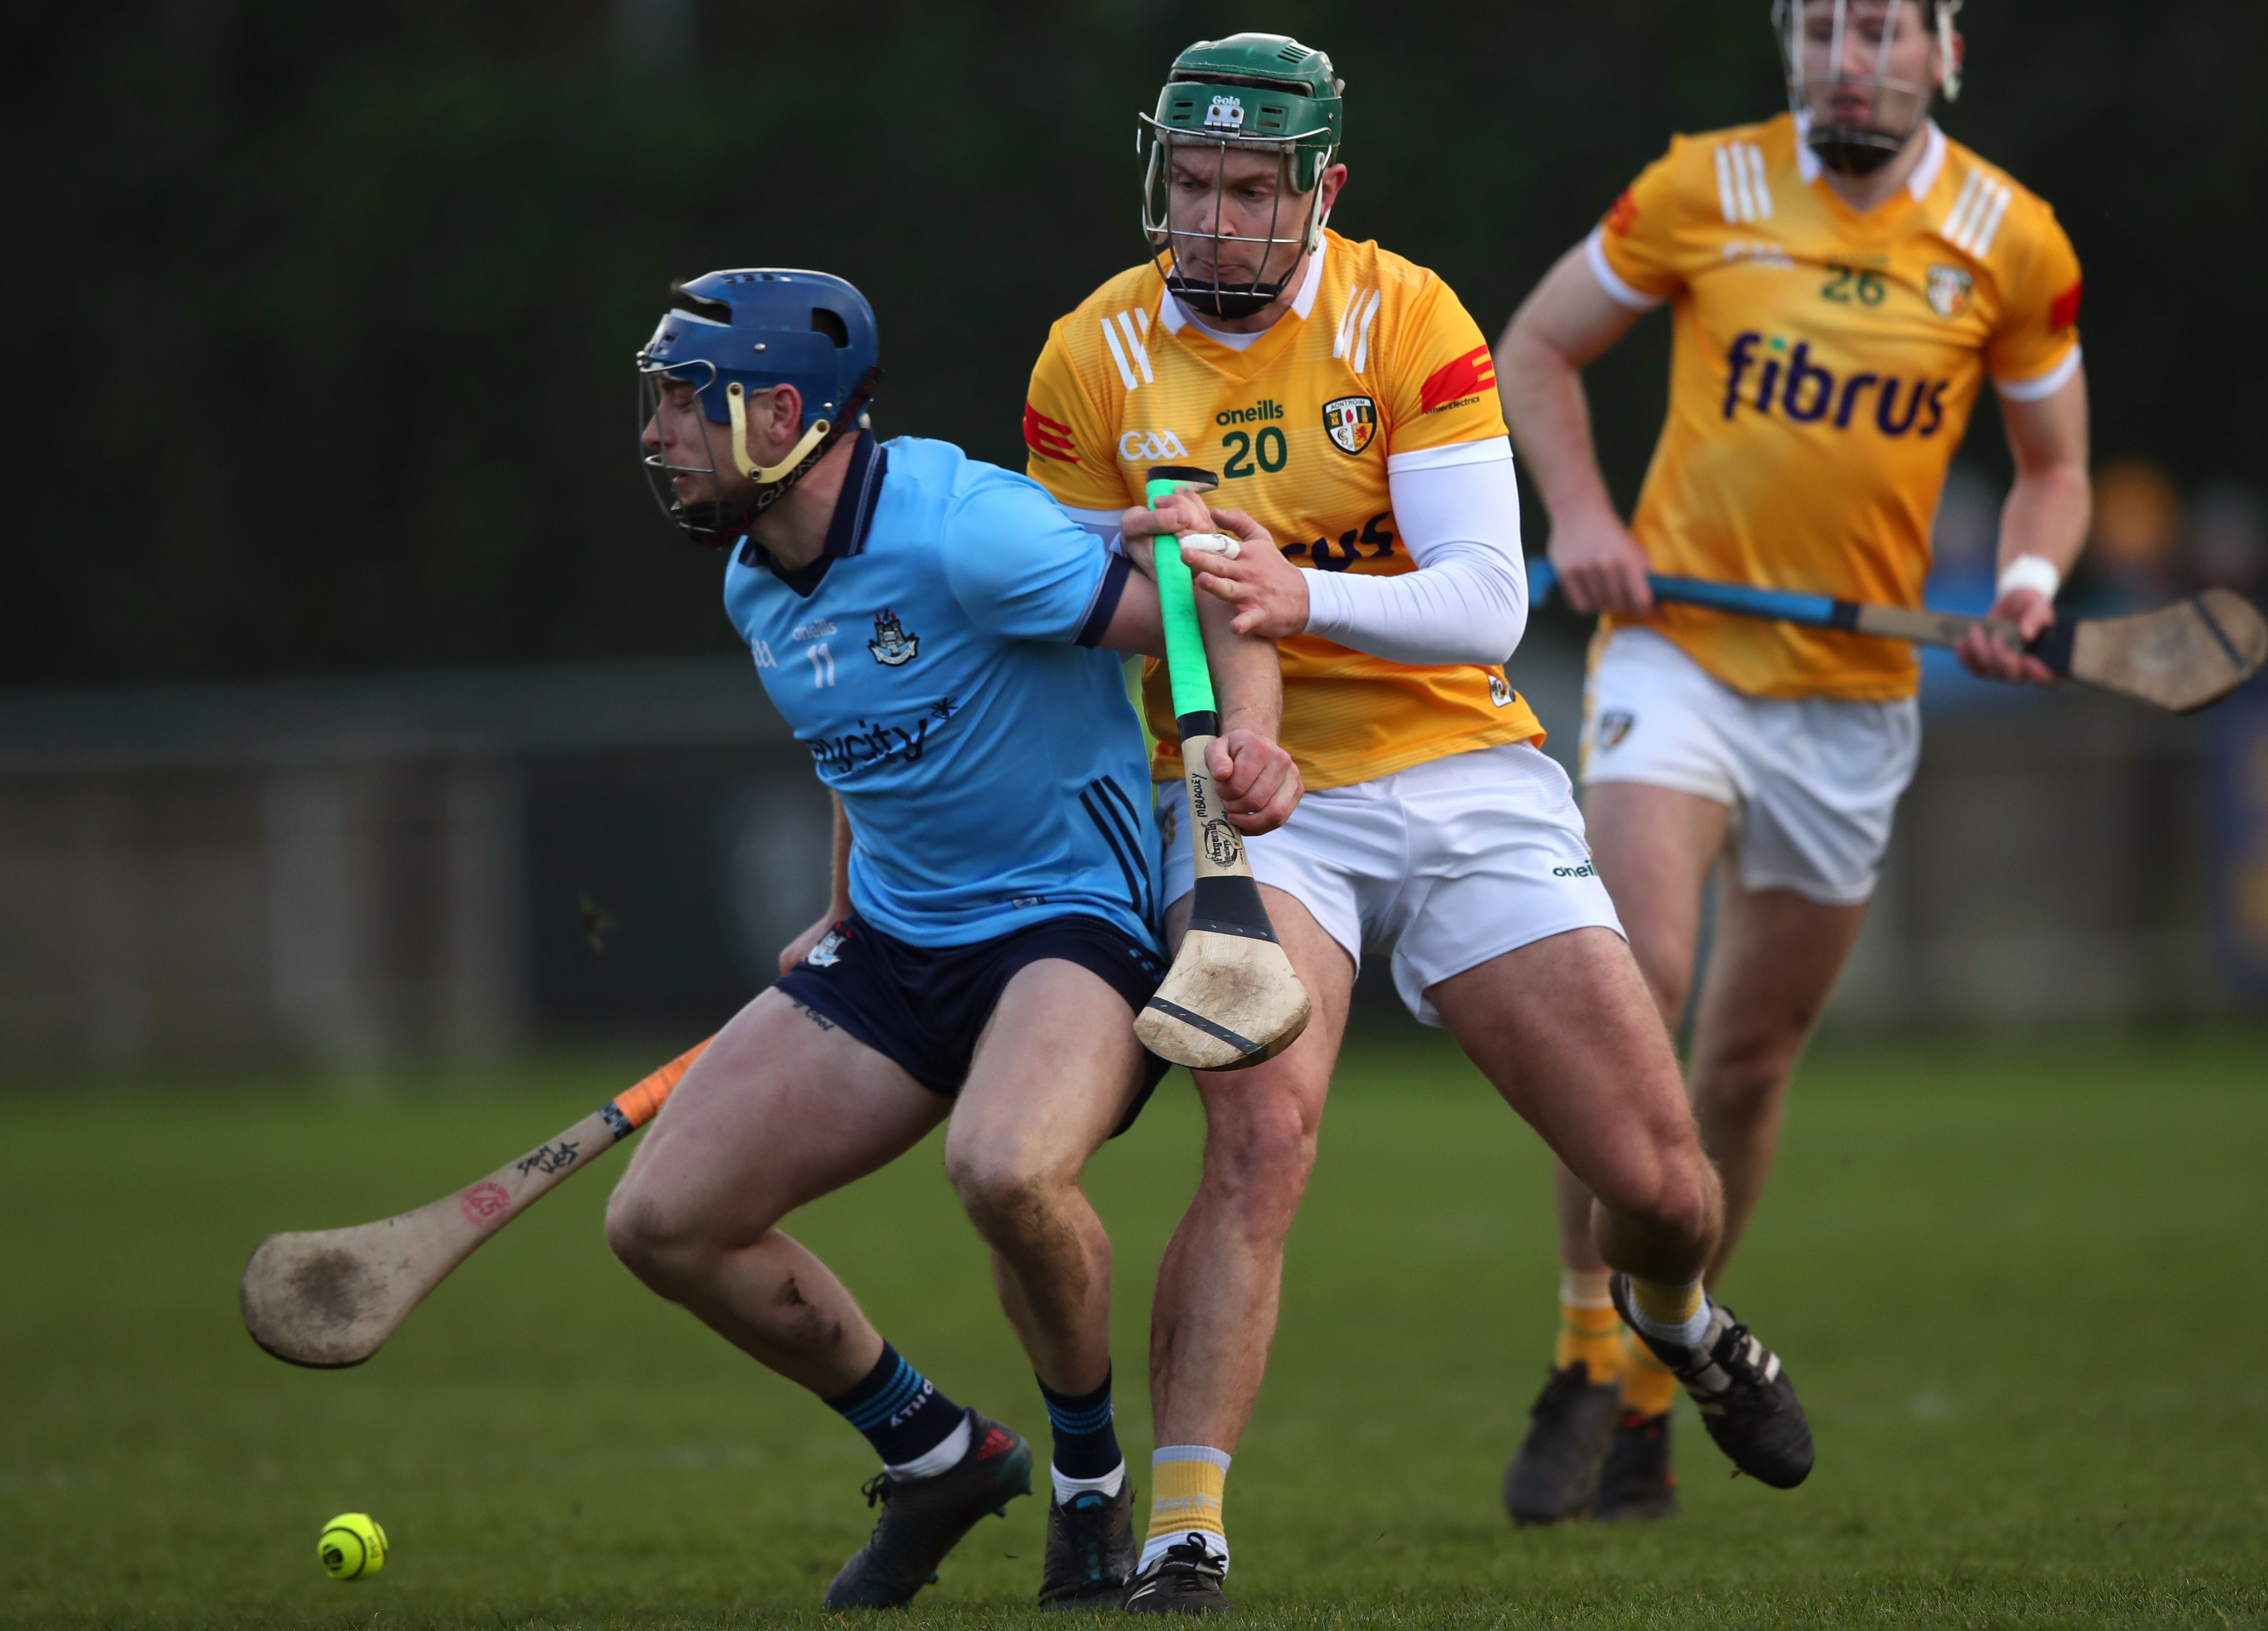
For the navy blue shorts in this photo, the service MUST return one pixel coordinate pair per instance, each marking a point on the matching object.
(923, 1008)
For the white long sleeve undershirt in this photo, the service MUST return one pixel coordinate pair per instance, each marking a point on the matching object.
(1457, 510)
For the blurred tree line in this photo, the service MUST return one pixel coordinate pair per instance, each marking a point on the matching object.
(320, 319)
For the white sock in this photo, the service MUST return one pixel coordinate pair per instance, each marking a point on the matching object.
(1110, 1483)
(946, 1455)
(1155, 1549)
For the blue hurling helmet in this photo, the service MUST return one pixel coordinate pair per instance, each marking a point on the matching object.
(730, 334)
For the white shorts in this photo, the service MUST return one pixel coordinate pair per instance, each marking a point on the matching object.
(1450, 862)
(1812, 782)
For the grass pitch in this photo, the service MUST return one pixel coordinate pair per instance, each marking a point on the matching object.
(2021, 1290)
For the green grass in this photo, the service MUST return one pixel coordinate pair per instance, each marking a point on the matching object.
(2022, 1289)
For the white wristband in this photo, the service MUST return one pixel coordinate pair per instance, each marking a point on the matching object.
(2031, 571)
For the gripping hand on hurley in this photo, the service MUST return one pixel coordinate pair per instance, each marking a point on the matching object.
(1259, 784)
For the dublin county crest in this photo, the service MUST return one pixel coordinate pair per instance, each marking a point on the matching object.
(1948, 291)
(891, 646)
(1352, 421)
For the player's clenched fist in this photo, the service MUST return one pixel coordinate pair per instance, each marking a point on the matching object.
(1259, 784)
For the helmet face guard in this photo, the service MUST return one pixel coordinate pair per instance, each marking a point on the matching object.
(726, 336)
(1846, 140)
(1263, 94)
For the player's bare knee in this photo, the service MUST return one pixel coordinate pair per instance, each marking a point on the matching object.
(655, 1241)
(1006, 1190)
(1259, 1153)
(1743, 1084)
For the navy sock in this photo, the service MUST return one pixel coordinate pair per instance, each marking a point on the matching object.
(898, 1409)
(1087, 1438)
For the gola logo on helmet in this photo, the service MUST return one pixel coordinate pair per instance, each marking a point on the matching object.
(1138, 446)
(1225, 114)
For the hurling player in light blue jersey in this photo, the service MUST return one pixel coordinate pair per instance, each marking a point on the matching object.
(940, 636)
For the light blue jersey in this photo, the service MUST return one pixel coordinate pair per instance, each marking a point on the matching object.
(938, 661)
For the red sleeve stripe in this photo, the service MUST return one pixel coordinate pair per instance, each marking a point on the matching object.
(1466, 376)
(1049, 438)
(2064, 311)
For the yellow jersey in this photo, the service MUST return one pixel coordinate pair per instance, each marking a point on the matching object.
(1822, 370)
(1375, 361)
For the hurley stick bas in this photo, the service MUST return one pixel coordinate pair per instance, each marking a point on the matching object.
(1231, 999)
(2180, 657)
(331, 1297)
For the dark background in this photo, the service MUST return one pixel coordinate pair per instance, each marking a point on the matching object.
(319, 319)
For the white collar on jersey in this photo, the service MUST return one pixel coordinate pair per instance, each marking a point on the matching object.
(1925, 173)
(1172, 314)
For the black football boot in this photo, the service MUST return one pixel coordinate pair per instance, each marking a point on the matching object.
(1745, 1398)
(1185, 1581)
(1637, 1483)
(1091, 1549)
(1552, 1477)
(924, 1518)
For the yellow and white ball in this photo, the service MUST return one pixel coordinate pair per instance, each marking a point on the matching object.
(352, 1545)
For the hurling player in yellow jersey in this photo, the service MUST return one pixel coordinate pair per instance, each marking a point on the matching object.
(1842, 279)
(1345, 400)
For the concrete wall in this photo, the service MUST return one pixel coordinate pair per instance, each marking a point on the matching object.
(352, 874)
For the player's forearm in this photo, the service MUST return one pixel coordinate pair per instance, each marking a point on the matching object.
(1247, 675)
(2046, 515)
(1468, 600)
(1551, 422)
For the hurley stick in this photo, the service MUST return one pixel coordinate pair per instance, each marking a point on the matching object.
(331, 1297)
(2180, 657)
(1231, 999)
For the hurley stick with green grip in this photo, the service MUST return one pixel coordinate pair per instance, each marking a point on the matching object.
(1230, 998)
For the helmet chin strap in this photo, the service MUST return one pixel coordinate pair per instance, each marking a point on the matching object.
(765, 475)
(714, 524)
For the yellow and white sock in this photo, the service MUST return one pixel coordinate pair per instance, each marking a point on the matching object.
(1669, 1313)
(1186, 1482)
(1589, 1328)
(1649, 1386)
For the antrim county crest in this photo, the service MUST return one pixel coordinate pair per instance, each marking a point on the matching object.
(1948, 291)
(1352, 421)
(891, 646)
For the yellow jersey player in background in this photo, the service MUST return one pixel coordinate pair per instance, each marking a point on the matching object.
(1842, 279)
(1346, 401)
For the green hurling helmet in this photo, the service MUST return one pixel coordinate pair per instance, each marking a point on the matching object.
(1251, 93)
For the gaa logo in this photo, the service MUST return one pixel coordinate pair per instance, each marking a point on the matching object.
(1225, 114)
(1500, 692)
(1136, 446)
(1613, 727)
(1352, 421)
(1948, 291)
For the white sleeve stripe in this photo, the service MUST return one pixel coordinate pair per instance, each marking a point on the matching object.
(1362, 334)
(1486, 451)
(1618, 291)
(1117, 354)
(1725, 185)
(2039, 387)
